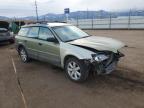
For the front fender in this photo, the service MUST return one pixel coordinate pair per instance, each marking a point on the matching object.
(68, 49)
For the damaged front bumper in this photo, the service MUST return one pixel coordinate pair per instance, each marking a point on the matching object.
(104, 69)
(106, 66)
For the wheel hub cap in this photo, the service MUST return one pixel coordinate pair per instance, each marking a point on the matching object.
(74, 70)
(23, 55)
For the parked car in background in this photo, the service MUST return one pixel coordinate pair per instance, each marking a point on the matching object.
(5, 35)
(70, 48)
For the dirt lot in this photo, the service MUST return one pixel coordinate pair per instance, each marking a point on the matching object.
(133, 62)
(45, 86)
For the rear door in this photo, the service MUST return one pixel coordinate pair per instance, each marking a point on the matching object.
(22, 36)
(31, 42)
(48, 51)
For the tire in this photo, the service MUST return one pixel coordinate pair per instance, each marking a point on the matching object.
(76, 70)
(23, 55)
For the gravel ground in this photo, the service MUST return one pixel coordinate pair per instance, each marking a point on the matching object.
(45, 86)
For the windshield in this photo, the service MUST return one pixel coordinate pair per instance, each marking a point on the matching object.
(69, 33)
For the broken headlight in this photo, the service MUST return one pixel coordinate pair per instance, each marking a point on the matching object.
(99, 57)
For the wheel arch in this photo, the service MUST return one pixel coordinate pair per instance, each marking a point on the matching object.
(83, 68)
(67, 57)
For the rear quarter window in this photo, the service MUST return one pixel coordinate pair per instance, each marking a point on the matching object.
(23, 31)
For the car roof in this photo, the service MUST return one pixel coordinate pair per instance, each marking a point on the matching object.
(47, 25)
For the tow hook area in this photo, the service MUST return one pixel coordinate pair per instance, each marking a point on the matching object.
(101, 69)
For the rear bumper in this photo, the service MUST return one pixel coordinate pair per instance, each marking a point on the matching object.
(6, 38)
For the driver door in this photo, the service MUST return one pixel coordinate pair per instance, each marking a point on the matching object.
(48, 51)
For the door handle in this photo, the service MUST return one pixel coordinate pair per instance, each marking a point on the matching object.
(40, 44)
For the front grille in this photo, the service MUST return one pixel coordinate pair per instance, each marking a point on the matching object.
(109, 60)
(113, 57)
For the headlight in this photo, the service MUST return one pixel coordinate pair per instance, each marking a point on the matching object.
(100, 57)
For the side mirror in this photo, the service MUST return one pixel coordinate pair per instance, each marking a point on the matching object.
(52, 39)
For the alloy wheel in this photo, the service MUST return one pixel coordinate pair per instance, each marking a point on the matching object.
(74, 70)
(23, 55)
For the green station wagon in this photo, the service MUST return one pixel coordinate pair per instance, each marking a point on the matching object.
(70, 48)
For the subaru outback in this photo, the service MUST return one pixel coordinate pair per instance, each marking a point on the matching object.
(70, 48)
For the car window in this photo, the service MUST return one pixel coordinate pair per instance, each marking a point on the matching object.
(23, 31)
(45, 33)
(33, 33)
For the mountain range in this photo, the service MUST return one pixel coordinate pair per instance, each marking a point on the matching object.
(82, 15)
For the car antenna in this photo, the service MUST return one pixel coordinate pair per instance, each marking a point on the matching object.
(36, 10)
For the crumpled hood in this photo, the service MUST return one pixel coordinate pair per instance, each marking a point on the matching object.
(99, 43)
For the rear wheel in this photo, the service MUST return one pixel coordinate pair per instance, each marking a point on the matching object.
(23, 55)
(76, 70)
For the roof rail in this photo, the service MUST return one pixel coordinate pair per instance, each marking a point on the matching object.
(61, 21)
(42, 22)
(46, 22)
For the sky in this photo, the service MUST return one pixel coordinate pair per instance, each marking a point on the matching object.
(22, 8)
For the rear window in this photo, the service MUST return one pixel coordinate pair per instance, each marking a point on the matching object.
(23, 31)
(3, 29)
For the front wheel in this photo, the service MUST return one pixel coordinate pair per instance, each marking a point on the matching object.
(76, 70)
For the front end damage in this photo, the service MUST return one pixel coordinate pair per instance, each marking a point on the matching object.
(104, 63)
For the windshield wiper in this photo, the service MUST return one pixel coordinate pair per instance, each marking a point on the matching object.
(70, 40)
(85, 37)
